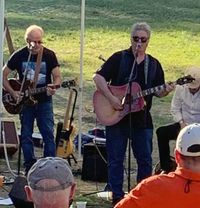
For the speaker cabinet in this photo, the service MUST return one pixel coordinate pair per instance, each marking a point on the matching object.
(9, 132)
(94, 166)
(18, 194)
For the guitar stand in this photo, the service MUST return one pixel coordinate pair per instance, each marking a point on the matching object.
(19, 158)
(71, 156)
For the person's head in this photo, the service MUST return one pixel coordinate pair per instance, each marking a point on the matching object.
(187, 151)
(194, 71)
(140, 35)
(33, 37)
(50, 183)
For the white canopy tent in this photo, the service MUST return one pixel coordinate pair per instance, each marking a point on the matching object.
(2, 3)
(2, 6)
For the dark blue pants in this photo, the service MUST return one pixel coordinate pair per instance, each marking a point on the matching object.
(116, 144)
(43, 113)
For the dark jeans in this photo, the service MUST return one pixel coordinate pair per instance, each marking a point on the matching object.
(43, 113)
(116, 143)
(164, 135)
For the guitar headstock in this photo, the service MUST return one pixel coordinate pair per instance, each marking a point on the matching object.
(185, 80)
(69, 83)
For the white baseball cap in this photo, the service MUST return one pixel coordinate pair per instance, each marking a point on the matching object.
(188, 141)
(194, 71)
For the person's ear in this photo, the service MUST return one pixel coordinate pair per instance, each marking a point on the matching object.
(131, 39)
(72, 191)
(177, 156)
(28, 193)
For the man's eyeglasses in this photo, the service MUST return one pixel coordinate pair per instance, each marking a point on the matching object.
(142, 39)
(35, 42)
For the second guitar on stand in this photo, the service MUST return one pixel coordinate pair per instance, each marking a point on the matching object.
(66, 131)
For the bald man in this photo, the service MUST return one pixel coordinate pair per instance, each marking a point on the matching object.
(38, 65)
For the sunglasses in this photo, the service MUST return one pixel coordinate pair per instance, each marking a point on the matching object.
(142, 39)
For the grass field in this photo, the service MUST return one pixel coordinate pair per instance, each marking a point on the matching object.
(175, 39)
(175, 31)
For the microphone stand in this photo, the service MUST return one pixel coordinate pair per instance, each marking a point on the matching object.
(130, 119)
(21, 89)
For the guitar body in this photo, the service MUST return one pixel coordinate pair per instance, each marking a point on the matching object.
(64, 141)
(65, 130)
(28, 91)
(9, 103)
(108, 116)
(105, 112)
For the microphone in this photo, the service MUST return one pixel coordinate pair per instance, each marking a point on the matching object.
(102, 58)
(31, 45)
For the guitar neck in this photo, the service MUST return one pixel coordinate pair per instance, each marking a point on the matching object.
(66, 124)
(68, 121)
(34, 91)
(149, 91)
(64, 84)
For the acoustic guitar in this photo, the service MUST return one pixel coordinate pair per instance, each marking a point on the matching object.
(66, 131)
(14, 107)
(108, 116)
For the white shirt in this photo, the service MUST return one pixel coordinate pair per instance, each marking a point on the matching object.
(185, 105)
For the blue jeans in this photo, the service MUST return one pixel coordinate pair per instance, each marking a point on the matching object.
(43, 113)
(116, 144)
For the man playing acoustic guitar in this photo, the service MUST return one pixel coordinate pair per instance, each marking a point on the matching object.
(38, 64)
(147, 72)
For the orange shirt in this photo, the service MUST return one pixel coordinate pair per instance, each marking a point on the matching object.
(179, 189)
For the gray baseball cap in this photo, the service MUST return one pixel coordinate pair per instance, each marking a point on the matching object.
(50, 168)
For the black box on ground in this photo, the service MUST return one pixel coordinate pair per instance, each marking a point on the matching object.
(94, 166)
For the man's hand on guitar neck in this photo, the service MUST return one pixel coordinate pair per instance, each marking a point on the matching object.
(51, 89)
(169, 87)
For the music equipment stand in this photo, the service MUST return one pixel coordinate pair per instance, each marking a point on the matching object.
(130, 120)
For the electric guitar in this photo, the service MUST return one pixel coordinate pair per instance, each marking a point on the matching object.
(108, 116)
(66, 131)
(14, 107)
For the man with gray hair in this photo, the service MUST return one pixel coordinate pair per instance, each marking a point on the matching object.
(176, 189)
(131, 67)
(50, 183)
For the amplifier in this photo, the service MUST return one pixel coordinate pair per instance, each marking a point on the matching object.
(9, 132)
(94, 167)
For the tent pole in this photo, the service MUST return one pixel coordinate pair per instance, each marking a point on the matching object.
(81, 75)
(2, 4)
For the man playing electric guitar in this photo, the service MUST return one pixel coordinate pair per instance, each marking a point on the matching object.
(147, 72)
(39, 64)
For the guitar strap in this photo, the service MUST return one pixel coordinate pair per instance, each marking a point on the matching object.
(37, 67)
(149, 68)
(146, 65)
